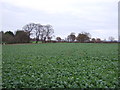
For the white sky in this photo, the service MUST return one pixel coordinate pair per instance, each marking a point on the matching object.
(98, 17)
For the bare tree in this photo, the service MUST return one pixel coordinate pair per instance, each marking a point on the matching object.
(111, 38)
(72, 37)
(29, 28)
(68, 38)
(41, 32)
(46, 32)
(38, 31)
(49, 31)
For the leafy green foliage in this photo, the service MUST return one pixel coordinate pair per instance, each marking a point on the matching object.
(63, 65)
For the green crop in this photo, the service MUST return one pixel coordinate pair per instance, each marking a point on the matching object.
(60, 65)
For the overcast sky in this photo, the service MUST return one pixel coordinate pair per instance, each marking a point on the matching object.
(98, 17)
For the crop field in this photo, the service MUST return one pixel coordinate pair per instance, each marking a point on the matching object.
(60, 65)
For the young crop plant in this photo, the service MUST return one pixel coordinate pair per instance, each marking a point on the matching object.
(60, 65)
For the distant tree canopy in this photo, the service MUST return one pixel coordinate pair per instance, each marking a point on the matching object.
(20, 37)
(83, 37)
(10, 33)
(44, 33)
(71, 37)
(8, 37)
(93, 40)
(41, 32)
(58, 39)
(98, 40)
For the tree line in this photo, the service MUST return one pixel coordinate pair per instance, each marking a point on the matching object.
(19, 37)
(44, 33)
(41, 32)
(84, 37)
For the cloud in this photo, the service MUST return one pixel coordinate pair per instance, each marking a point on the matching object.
(56, 6)
(99, 17)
